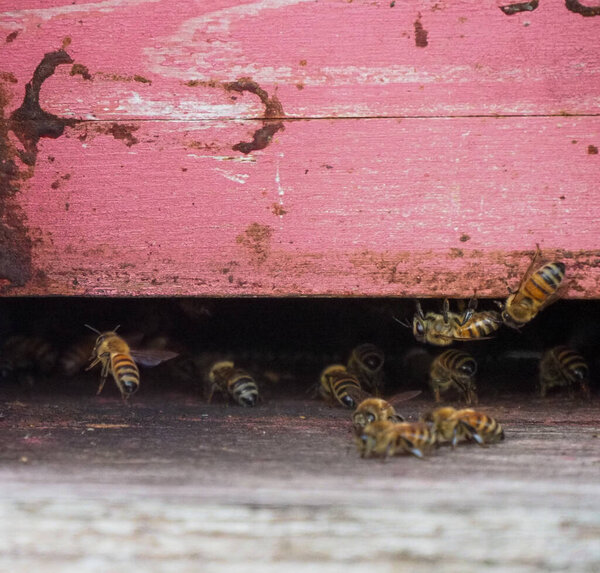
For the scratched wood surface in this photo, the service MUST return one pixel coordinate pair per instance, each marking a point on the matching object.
(292, 147)
(90, 485)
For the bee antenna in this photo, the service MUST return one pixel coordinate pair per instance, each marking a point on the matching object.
(93, 329)
(404, 323)
(116, 328)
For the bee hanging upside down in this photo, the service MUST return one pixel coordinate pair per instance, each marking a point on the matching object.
(117, 358)
(442, 329)
(562, 366)
(455, 425)
(384, 439)
(366, 363)
(454, 369)
(337, 385)
(535, 292)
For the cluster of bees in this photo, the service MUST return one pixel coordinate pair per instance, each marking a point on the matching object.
(357, 384)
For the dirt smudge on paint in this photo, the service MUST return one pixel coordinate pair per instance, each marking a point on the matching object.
(29, 123)
(592, 150)
(122, 131)
(585, 11)
(12, 37)
(273, 111)
(510, 9)
(420, 33)
(81, 70)
(257, 240)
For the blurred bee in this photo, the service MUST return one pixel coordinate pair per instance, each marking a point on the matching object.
(117, 358)
(234, 382)
(24, 357)
(77, 355)
(442, 329)
(535, 292)
(385, 439)
(336, 384)
(454, 369)
(377, 410)
(562, 366)
(366, 363)
(455, 425)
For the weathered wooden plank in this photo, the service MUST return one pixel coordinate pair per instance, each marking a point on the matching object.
(169, 485)
(154, 59)
(411, 207)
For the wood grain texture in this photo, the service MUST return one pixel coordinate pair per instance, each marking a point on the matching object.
(363, 154)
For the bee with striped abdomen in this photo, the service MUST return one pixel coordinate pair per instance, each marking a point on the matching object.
(562, 366)
(117, 359)
(454, 369)
(234, 382)
(366, 363)
(384, 439)
(453, 425)
(377, 410)
(336, 384)
(442, 329)
(535, 292)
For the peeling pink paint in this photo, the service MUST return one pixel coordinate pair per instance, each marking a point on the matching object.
(400, 180)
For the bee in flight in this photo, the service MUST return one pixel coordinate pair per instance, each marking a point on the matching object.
(442, 329)
(336, 384)
(116, 358)
(454, 369)
(536, 291)
(366, 363)
(384, 439)
(452, 426)
(562, 366)
(224, 377)
(378, 410)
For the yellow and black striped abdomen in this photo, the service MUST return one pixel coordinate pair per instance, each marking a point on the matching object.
(572, 364)
(243, 388)
(458, 362)
(486, 429)
(480, 325)
(125, 372)
(543, 283)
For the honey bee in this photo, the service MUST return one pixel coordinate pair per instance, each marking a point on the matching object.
(234, 382)
(562, 366)
(366, 363)
(23, 357)
(384, 439)
(535, 292)
(453, 425)
(442, 329)
(378, 410)
(454, 369)
(117, 358)
(339, 385)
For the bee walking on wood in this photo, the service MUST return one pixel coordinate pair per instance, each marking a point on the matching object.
(384, 439)
(377, 410)
(453, 425)
(442, 329)
(117, 359)
(366, 363)
(535, 292)
(224, 377)
(561, 366)
(454, 369)
(336, 384)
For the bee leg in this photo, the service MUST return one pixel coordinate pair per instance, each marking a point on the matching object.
(446, 310)
(92, 364)
(437, 396)
(468, 314)
(472, 432)
(102, 382)
(420, 312)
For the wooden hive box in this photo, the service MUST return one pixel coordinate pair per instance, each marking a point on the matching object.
(297, 147)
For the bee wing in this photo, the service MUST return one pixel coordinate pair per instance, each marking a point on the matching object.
(152, 357)
(358, 394)
(404, 396)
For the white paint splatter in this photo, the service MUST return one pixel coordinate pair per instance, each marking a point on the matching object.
(280, 190)
(237, 177)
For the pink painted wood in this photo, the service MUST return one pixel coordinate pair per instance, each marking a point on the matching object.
(438, 143)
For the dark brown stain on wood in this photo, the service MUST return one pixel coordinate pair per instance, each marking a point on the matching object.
(420, 33)
(11, 37)
(80, 70)
(122, 131)
(592, 150)
(257, 240)
(273, 110)
(510, 9)
(29, 123)
(585, 11)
